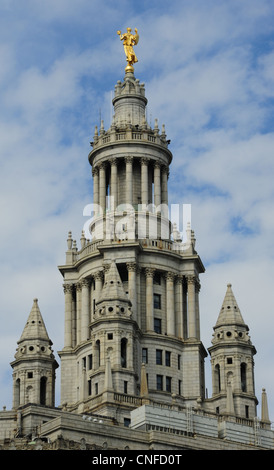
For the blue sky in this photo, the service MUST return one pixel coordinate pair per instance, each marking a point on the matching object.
(208, 68)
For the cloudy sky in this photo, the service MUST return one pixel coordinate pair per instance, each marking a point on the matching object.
(208, 68)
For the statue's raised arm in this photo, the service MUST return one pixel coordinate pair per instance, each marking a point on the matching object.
(130, 40)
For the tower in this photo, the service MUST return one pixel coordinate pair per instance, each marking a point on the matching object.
(34, 365)
(233, 390)
(132, 289)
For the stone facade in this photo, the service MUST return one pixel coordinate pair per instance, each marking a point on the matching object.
(132, 365)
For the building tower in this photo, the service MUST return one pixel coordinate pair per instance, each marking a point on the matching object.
(233, 390)
(34, 366)
(132, 289)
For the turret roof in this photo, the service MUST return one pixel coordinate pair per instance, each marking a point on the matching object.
(230, 313)
(113, 287)
(35, 326)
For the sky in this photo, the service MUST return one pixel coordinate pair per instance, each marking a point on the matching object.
(208, 69)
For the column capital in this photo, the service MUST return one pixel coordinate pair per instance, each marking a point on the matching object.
(102, 166)
(165, 169)
(144, 161)
(113, 161)
(85, 282)
(132, 266)
(179, 279)
(128, 159)
(79, 286)
(150, 272)
(98, 275)
(95, 171)
(170, 276)
(191, 278)
(157, 165)
(68, 288)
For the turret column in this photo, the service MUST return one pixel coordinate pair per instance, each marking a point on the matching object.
(113, 183)
(170, 303)
(95, 174)
(85, 310)
(149, 299)
(102, 187)
(129, 163)
(68, 315)
(157, 184)
(144, 181)
(179, 306)
(191, 281)
(132, 287)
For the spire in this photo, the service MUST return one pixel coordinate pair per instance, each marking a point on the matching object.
(35, 326)
(230, 313)
(113, 287)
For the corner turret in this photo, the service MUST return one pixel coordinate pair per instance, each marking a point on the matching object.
(34, 366)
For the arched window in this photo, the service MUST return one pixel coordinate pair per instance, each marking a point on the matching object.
(124, 352)
(43, 390)
(243, 377)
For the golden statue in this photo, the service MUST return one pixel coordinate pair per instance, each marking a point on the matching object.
(130, 40)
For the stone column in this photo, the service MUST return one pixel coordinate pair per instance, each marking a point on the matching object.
(129, 182)
(68, 315)
(149, 299)
(85, 310)
(164, 184)
(132, 287)
(170, 303)
(157, 184)
(98, 284)
(144, 181)
(102, 187)
(95, 174)
(78, 311)
(191, 281)
(165, 191)
(179, 306)
(138, 288)
(197, 290)
(185, 313)
(113, 183)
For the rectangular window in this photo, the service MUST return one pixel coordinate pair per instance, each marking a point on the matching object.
(30, 375)
(179, 387)
(145, 355)
(159, 357)
(157, 301)
(168, 355)
(125, 386)
(168, 384)
(159, 382)
(179, 361)
(157, 325)
(90, 361)
(89, 387)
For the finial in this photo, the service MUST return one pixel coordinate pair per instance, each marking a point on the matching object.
(69, 241)
(130, 40)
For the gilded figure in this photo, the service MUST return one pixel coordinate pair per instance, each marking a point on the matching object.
(130, 40)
